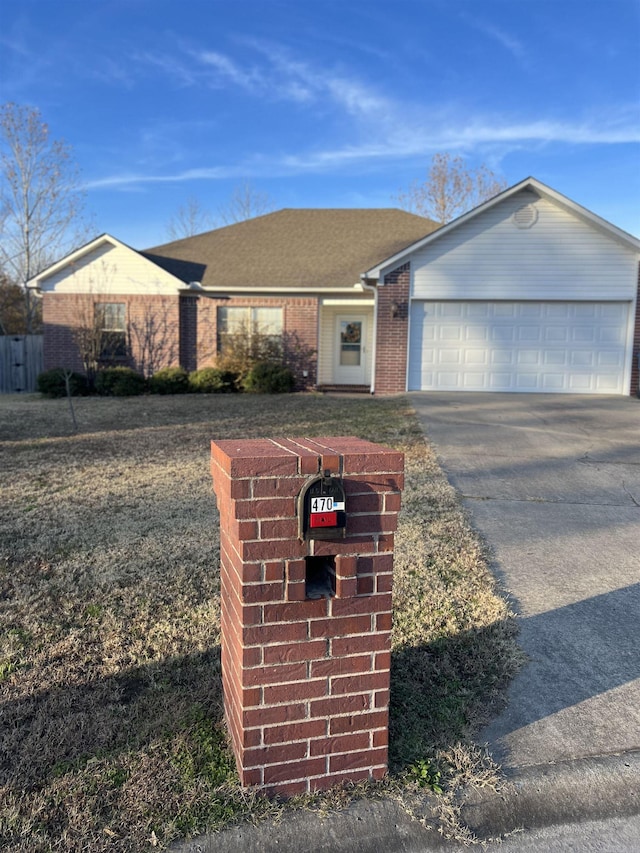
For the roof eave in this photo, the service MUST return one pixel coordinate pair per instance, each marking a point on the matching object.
(74, 256)
(377, 272)
(280, 290)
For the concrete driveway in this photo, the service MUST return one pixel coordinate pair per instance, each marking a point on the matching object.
(552, 482)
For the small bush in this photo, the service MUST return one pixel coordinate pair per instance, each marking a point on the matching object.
(212, 380)
(269, 378)
(51, 383)
(119, 382)
(169, 380)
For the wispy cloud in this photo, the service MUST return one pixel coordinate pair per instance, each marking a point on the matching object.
(179, 71)
(509, 42)
(126, 180)
(410, 141)
(17, 46)
(378, 129)
(270, 72)
(251, 80)
(296, 77)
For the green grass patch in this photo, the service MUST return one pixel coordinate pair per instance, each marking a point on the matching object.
(113, 736)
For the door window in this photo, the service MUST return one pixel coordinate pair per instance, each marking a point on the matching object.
(350, 343)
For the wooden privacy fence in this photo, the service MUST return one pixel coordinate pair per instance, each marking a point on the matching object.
(20, 362)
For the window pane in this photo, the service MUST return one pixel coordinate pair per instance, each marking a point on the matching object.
(267, 321)
(350, 356)
(111, 316)
(232, 320)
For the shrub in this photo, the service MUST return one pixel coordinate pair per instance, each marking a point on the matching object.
(119, 382)
(212, 380)
(247, 347)
(169, 380)
(268, 378)
(52, 383)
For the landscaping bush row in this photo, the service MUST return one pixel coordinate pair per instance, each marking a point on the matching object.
(262, 378)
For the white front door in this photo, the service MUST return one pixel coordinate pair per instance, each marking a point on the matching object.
(350, 354)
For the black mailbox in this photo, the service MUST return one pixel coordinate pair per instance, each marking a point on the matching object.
(321, 509)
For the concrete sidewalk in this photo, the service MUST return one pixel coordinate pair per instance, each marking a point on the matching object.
(553, 484)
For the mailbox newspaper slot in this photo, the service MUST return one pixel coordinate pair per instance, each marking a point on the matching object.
(321, 509)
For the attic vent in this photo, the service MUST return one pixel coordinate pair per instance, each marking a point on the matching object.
(525, 216)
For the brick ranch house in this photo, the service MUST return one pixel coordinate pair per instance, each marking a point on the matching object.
(528, 292)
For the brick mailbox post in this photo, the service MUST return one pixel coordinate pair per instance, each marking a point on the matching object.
(306, 621)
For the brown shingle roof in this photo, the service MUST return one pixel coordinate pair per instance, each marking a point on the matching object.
(292, 248)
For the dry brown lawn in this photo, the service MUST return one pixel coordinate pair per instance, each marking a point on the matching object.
(111, 733)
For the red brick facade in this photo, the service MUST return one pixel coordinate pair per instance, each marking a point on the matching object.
(189, 332)
(392, 332)
(300, 325)
(306, 682)
(153, 323)
(183, 328)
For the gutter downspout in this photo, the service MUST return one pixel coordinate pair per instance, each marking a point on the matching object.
(374, 289)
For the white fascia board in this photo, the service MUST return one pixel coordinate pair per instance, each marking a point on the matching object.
(587, 215)
(389, 264)
(366, 302)
(138, 275)
(284, 291)
(74, 256)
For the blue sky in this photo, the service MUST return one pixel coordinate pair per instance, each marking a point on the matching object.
(327, 103)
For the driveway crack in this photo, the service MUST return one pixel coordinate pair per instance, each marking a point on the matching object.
(545, 500)
(631, 495)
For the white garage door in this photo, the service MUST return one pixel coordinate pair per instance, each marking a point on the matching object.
(568, 347)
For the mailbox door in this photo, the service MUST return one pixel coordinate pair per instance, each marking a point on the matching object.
(322, 509)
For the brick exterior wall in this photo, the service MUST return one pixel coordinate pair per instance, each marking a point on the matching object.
(59, 310)
(63, 312)
(306, 682)
(300, 323)
(189, 332)
(635, 373)
(392, 332)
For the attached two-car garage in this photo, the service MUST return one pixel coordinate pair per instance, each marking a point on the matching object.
(564, 347)
(529, 292)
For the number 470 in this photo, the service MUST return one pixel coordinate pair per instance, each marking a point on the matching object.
(323, 504)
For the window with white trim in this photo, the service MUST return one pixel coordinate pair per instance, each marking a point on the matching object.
(252, 323)
(112, 326)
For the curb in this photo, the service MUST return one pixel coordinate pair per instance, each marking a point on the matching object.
(365, 826)
(533, 797)
(572, 791)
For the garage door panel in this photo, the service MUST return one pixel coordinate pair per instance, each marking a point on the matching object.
(476, 357)
(555, 358)
(554, 335)
(472, 381)
(512, 346)
(553, 382)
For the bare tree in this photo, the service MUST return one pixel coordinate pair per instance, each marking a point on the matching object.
(245, 203)
(153, 338)
(96, 339)
(87, 334)
(450, 189)
(189, 219)
(41, 199)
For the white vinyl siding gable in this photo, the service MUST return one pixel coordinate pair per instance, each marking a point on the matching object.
(111, 269)
(560, 257)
